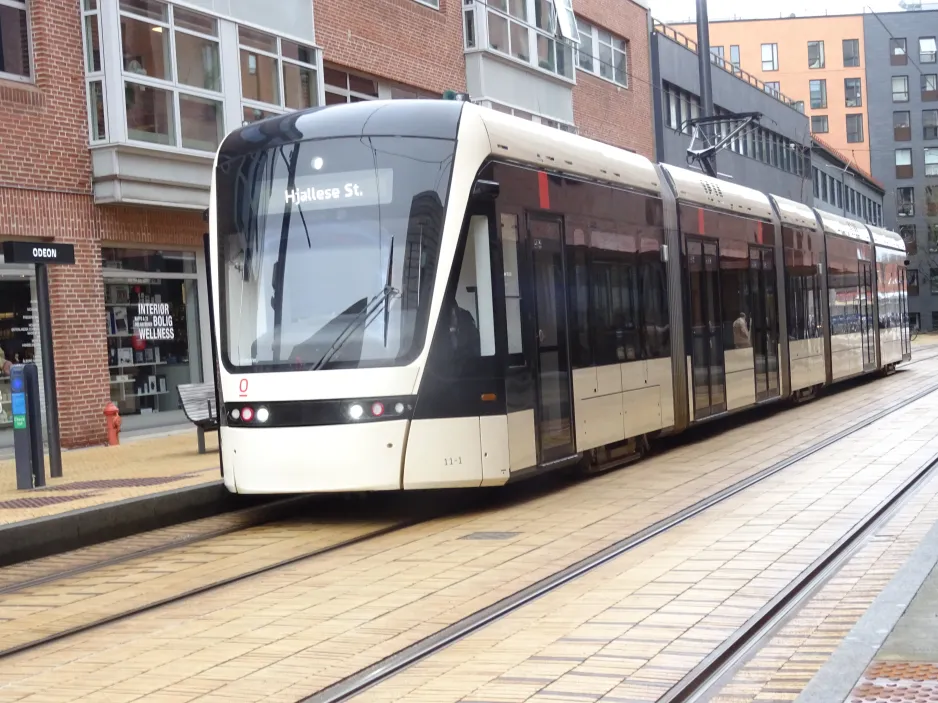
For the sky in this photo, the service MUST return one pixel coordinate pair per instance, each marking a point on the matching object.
(683, 10)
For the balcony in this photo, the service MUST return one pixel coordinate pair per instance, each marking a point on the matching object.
(521, 53)
(166, 84)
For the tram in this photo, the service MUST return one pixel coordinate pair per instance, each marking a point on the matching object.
(432, 294)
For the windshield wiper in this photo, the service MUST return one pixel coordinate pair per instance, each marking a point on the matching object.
(362, 319)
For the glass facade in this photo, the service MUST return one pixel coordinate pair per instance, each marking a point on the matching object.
(151, 304)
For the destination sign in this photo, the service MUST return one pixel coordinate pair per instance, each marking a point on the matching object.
(334, 190)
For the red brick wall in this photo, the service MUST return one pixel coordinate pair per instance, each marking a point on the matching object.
(612, 114)
(401, 40)
(45, 192)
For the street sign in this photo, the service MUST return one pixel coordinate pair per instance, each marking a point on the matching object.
(16, 252)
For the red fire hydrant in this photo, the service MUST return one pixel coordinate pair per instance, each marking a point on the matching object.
(112, 417)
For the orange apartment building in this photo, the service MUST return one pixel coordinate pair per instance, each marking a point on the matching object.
(817, 60)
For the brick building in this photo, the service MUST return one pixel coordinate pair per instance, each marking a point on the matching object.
(113, 110)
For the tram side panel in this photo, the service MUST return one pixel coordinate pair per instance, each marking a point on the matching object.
(804, 261)
(733, 313)
(849, 281)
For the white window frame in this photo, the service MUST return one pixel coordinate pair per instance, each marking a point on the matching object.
(892, 84)
(773, 58)
(31, 78)
(500, 106)
(821, 58)
(595, 37)
(281, 108)
(432, 4)
(91, 12)
(927, 56)
(479, 21)
(172, 84)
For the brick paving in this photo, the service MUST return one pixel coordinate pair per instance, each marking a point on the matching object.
(100, 475)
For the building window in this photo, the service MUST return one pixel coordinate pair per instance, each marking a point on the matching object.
(907, 232)
(898, 54)
(926, 50)
(851, 53)
(932, 239)
(929, 86)
(815, 54)
(933, 276)
(172, 75)
(931, 201)
(902, 126)
(535, 32)
(603, 54)
(853, 92)
(435, 4)
(342, 87)
(773, 88)
(525, 115)
(716, 55)
(799, 106)
(930, 124)
(153, 330)
(905, 202)
(819, 124)
(818, 89)
(770, 57)
(734, 55)
(94, 71)
(931, 161)
(900, 89)
(14, 41)
(266, 60)
(904, 163)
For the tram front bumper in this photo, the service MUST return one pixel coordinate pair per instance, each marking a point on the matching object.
(325, 458)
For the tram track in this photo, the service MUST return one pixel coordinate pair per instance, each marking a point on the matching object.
(388, 667)
(469, 500)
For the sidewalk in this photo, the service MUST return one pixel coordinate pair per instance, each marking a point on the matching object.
(97, 476)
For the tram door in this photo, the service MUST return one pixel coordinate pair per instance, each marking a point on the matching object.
(555, 439)
(866, 314)
(764, 326)
(707, 364)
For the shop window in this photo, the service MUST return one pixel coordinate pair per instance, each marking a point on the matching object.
(19, 334)
(153, 330)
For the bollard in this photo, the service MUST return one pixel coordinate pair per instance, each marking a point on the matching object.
(113, 419)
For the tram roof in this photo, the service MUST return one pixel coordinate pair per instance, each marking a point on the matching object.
(553, 149)
(844, 227)
(694, 187)
(796, 214)
(887, 238)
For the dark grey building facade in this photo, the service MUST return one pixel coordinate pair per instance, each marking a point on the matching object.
(842, 188)
(902, 83)
(773, 158)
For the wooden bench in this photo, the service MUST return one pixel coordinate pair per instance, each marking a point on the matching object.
(198, 403)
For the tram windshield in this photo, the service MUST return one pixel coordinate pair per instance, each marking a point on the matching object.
(328, 251)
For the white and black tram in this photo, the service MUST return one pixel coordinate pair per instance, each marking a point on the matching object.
(421, 294)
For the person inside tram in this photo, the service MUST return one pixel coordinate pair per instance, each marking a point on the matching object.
(463, 332)
(741, 331)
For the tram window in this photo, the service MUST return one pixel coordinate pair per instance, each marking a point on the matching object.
(735, 288)
(509, 232)
(472, 320)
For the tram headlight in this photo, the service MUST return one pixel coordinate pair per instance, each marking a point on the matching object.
(262, 414)
(377, 409)
(356, 411)
(399, 408)
(235, 414)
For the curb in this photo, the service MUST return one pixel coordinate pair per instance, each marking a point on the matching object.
(55, 534)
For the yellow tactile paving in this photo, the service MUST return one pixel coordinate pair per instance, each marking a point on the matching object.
(634, 627)
(302, 627)
(174, 457)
